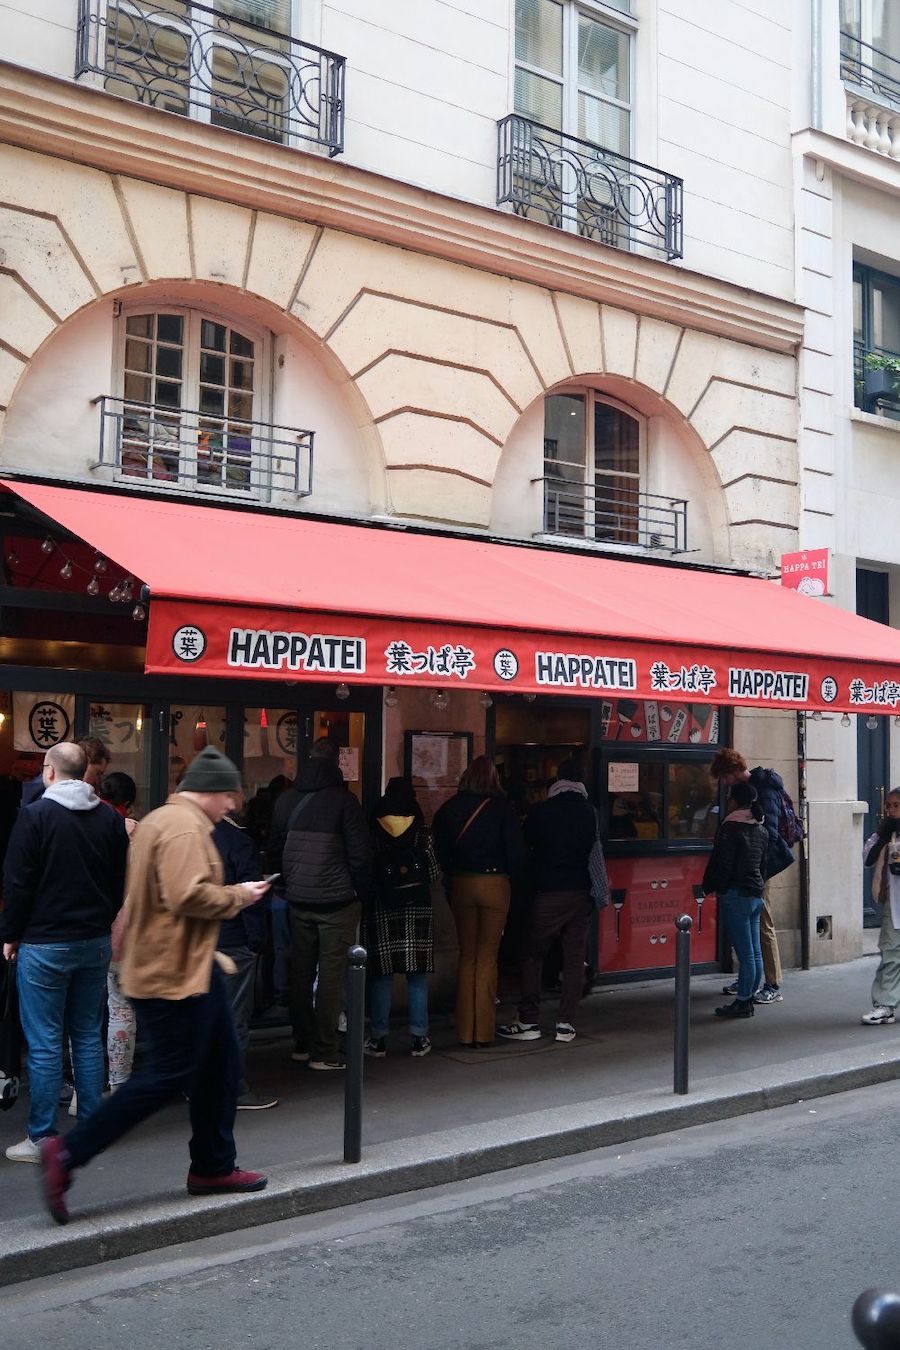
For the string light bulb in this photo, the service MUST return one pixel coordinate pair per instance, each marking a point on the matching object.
(138, 613)
(390, 698)
(47, 545)
(872, 722)
(115, 593)
(529, 698)
(845, 720)
(66, 570)
(12, 558)
(342, 691)
(485, 699)
(440, 701)
(93, 586)
(100, 564)
(817, 715)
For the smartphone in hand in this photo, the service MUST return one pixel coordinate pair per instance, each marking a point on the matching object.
(272, 876)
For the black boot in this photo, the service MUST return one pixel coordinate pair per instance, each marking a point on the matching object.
(741, 1007)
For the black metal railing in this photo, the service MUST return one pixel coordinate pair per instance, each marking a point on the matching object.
(870, 68)
(183, 448)
(199, 62)
(616, 515)
(876, 387)
(578, 186)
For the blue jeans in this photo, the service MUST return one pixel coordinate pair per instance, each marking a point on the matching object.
(741, 916)
(380, 1003)
(62, 990)
(281, 948)
(190, 1046)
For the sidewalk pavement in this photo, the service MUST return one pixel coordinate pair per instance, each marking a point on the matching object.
(457, 1113)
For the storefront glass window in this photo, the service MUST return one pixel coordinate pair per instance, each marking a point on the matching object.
(270, 746)
(531, 741)
(659, 722)
(120, 726)
(635, 800)
(191, 728)
(348, 731)
(693, 808)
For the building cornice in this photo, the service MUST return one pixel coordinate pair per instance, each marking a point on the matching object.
(849, 160)
(75, 122)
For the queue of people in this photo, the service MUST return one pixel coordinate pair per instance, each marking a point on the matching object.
(176, 950)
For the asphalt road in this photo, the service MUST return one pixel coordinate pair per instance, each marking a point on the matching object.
(756, 1233)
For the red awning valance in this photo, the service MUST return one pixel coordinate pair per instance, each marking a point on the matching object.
(239, 592)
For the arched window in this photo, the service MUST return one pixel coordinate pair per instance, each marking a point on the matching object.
(593, 464)
(190, 399)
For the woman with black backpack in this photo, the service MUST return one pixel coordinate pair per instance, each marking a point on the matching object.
(736, 874)
(398, 925)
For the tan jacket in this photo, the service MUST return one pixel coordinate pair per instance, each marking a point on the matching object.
(176, 901)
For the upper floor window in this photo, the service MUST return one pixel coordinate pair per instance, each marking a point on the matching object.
(870, 46)
(573, 71)
(234, 63)
(594, 466)
(190, 408)
(876, 340)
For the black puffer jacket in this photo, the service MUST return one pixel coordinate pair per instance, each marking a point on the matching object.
(738, 859)
(327, 855)
(492, 843)
(560, 833)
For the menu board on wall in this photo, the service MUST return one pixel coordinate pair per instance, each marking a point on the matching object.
(656, 722)
(42, 720)
(435, 760)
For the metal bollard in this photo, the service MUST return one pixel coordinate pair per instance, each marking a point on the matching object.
(353, 1074)
(876, 1320)
(682, 1001)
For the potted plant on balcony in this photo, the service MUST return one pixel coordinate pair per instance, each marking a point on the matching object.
(881, 378)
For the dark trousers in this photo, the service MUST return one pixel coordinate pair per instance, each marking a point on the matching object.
(562, 914)
(190, 1047)
(241, 987)
(320, 942)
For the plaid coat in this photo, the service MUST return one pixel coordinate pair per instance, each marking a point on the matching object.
(398, 925)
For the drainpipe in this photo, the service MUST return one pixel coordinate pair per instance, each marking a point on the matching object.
(816, 59)
(803, 859)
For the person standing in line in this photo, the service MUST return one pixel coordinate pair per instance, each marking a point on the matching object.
(728, 767)
(119, 791)
(98, 760)
(736, 874)
(479, 846)
(319, 832)
(177, 901)
(560, 833)
(398, 924)
(63, 883)
(242, 938)
(882, 853)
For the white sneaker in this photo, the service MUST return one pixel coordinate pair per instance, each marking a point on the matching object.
(880, 1016)
(28, 1151)
(565, 1031)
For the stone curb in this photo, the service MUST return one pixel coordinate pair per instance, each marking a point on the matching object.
(34, 1249)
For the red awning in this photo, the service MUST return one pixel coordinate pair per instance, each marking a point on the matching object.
(239, 592)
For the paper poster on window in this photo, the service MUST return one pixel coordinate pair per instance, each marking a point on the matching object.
(349, 763)
(622, 777)
(118, 725)
(429, 759)
(42, 720)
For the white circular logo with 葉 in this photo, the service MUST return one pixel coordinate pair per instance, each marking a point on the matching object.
(829, 689)
(189, 643)
(506, 664)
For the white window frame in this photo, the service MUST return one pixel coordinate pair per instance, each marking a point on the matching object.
(261, 392)
(568, 80)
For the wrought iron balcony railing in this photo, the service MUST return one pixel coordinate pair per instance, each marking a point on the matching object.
(199, 62)
(181, 448)
(876, 387)
(615, 515)
(578, 186)
(870, 68)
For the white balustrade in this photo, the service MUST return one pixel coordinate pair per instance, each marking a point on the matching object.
(875, 128)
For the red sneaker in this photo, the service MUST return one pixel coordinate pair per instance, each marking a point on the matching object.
(231, 1183)
(56, 1176)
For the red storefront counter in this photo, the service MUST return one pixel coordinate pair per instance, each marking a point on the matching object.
(637, 930)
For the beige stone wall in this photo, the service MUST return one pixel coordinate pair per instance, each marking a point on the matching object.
(437, 361)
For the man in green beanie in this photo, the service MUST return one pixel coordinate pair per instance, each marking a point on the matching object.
(176, 901)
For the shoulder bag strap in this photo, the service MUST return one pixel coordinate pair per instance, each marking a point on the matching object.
(471, 821)
(298, 809)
